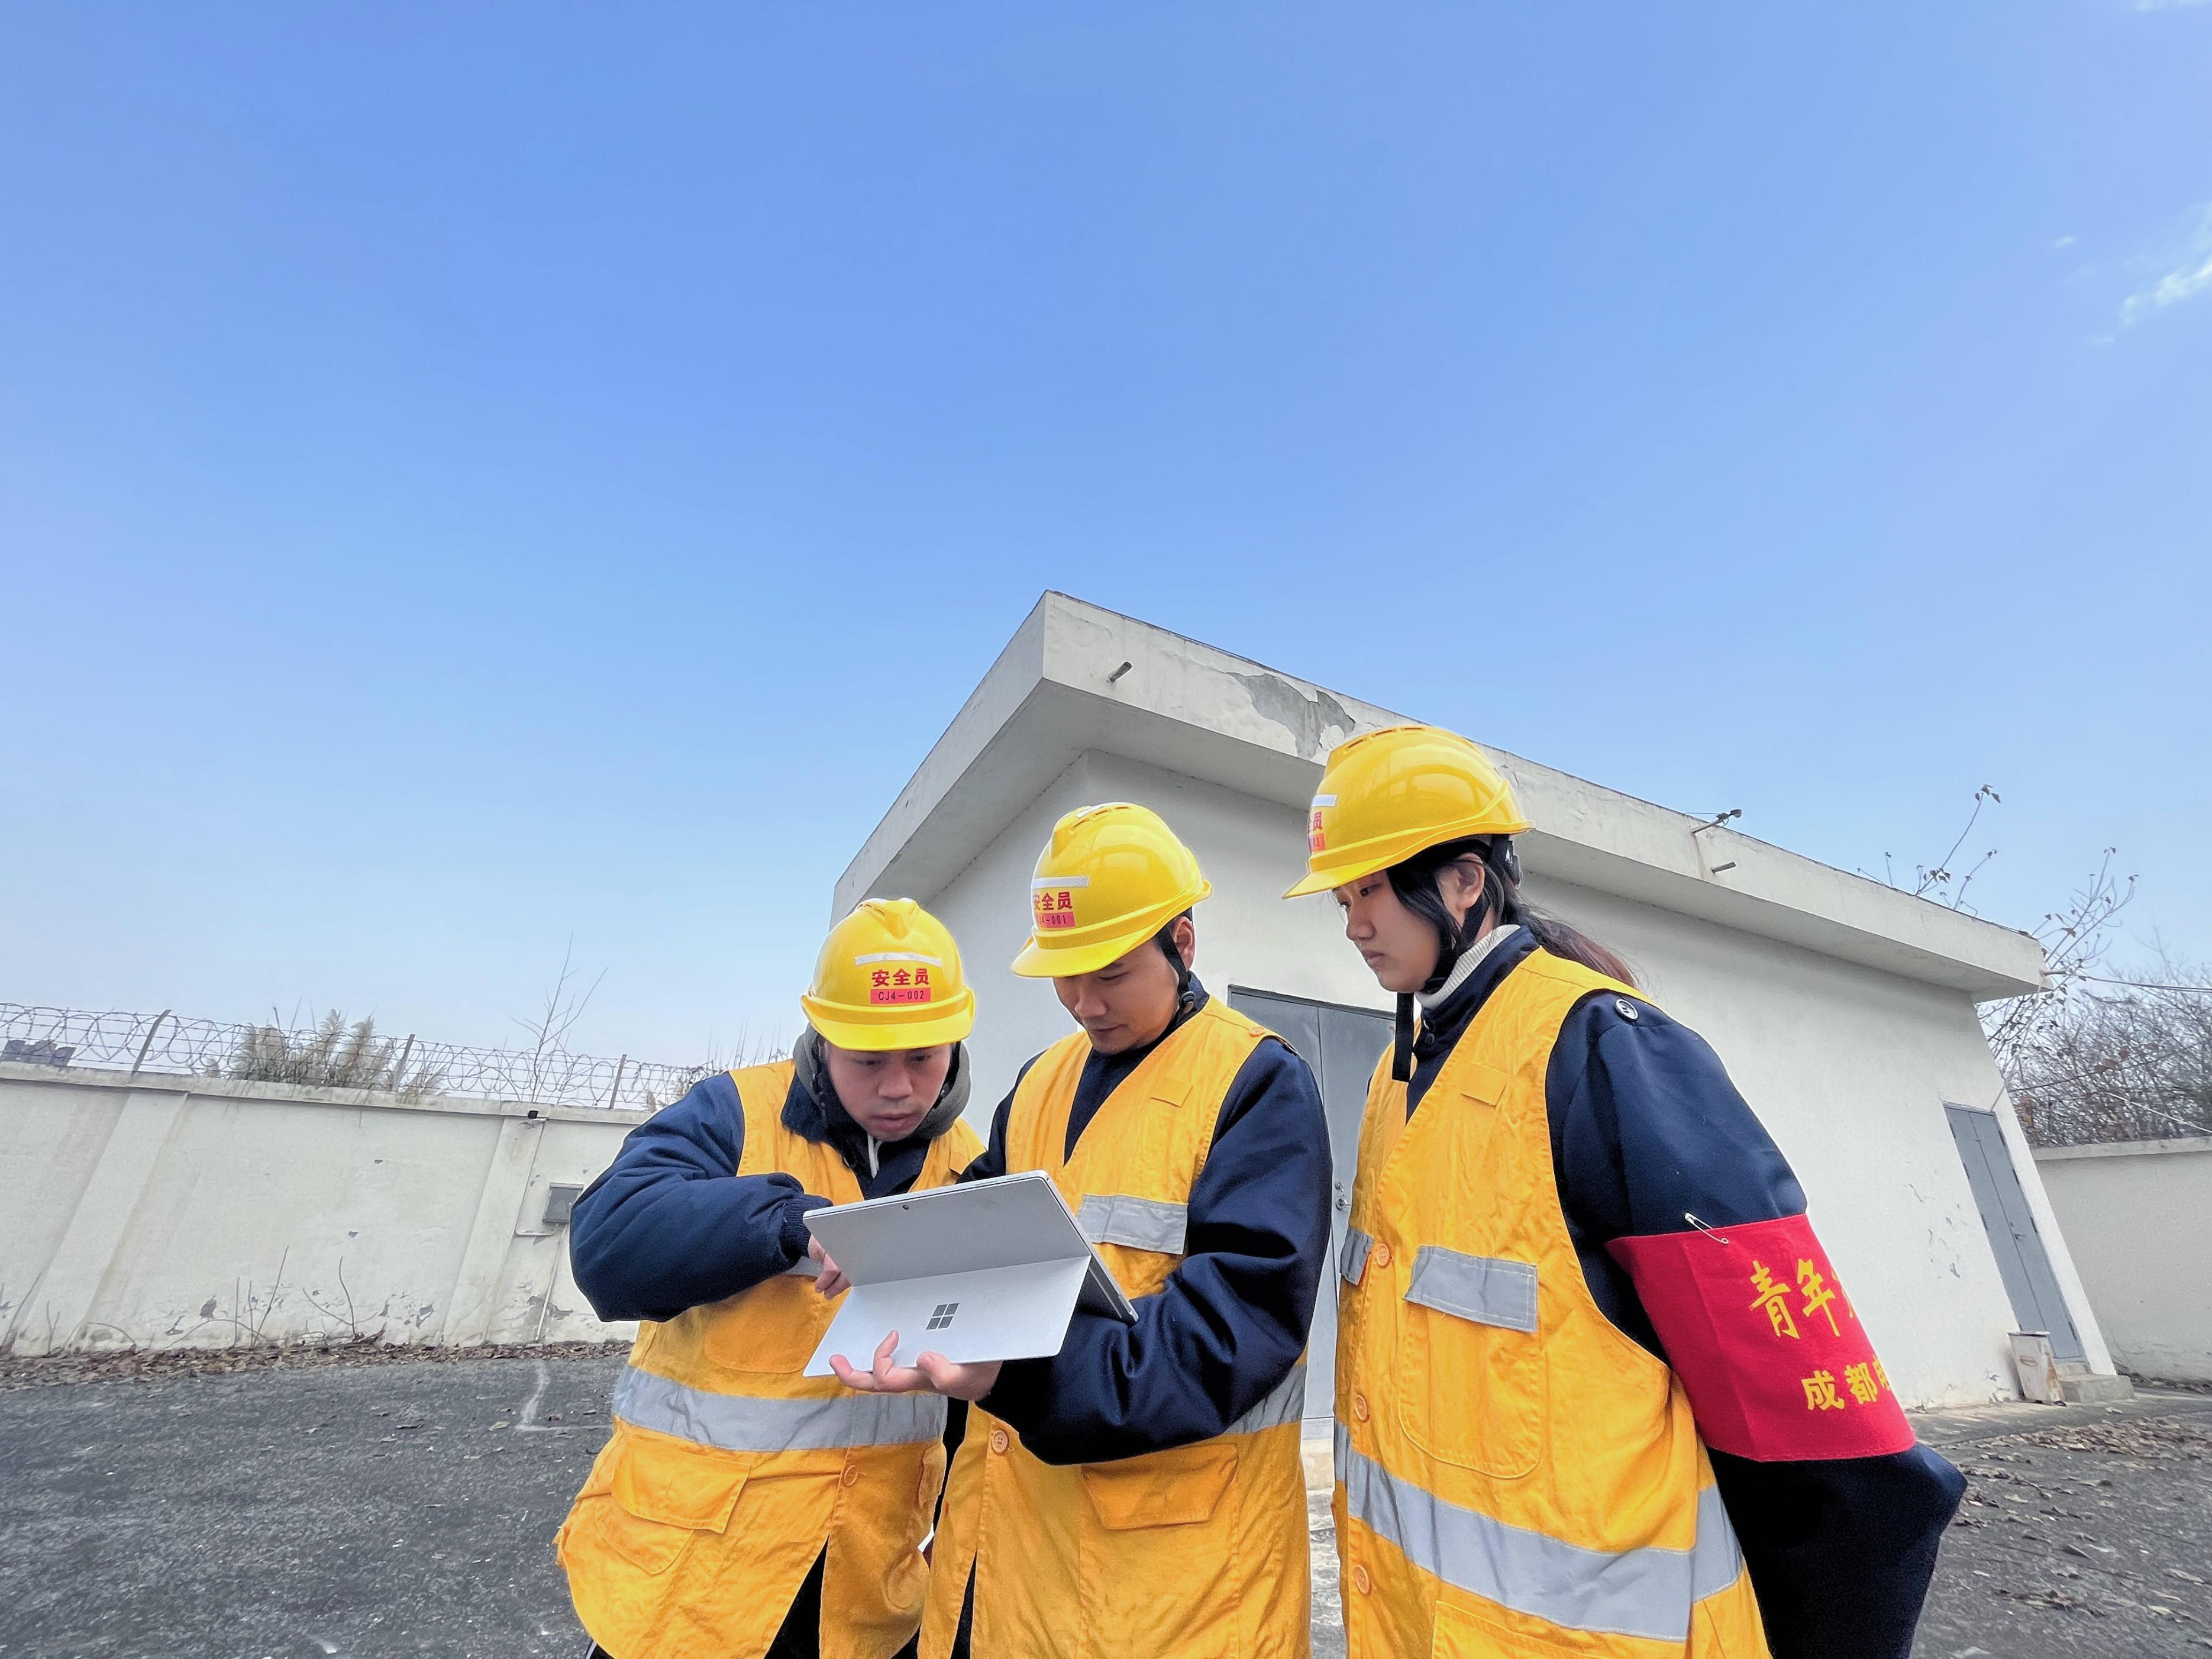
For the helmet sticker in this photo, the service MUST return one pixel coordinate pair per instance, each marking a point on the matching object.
(1316, 842)
(895, 985)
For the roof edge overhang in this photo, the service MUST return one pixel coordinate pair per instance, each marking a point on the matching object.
(1075, 677)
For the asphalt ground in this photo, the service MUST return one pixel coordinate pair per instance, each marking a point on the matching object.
(389, 1508)
(409, 1508)
(2085, 1531)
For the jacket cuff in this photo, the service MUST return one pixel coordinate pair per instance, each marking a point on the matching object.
(795, 1234)
(1022, 1395)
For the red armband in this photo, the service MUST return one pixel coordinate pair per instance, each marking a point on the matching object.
(1777, 1366)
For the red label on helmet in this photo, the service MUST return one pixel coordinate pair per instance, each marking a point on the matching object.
(1055, 907)
(1775, 1361)
(1315, 843)
(899, 985)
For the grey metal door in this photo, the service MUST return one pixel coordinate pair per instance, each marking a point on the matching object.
(1342, 1045)
(2022, 1262)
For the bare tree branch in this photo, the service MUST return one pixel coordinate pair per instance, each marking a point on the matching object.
(2132, 1063)
(2085, 1063)
(560, 1009)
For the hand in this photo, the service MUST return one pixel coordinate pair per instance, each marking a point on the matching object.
(832, 1279)
(931, 1373)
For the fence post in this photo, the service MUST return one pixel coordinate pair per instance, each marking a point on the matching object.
(399, 1072)
(146, 1047)
(617, 1090)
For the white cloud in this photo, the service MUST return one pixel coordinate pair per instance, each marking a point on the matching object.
(2191, 277)
(2063, 241)
(2170, 289)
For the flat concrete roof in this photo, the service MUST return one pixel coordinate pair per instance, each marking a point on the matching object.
(1076, 677)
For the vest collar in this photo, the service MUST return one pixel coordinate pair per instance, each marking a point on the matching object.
(1454, 1009)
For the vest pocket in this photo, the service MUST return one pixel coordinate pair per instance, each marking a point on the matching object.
(1140, 1239)
(1141, 1223)
(1473, 1385)
(661, 1496)
(1176, 1488)
(1157, 1552)
(772, 1328)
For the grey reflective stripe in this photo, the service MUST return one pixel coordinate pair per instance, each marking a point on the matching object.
(1716, 1559)
(1487, 1289)
(1142, 1223)
(1351, 1261)
(1645, 1592)
(738, 1422)
(1283, 1403)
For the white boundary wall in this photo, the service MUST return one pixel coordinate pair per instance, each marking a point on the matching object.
(199, 1212)
(2138, 1214)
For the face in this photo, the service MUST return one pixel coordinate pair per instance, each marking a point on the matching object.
(1398, 947)
(888, 1093)
(1128, 1002)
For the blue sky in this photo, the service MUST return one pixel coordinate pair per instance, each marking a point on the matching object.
(471, 480)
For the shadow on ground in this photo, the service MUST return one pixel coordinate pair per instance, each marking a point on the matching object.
(398, 1508)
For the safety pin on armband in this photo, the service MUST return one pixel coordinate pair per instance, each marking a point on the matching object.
(1703, 1228)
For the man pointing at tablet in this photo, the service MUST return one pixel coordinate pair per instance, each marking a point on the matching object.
(742, 1508)
(1141, 1492)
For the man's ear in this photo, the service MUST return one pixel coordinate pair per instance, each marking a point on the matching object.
(1186, 940)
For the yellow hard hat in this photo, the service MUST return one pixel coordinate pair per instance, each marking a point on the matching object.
(889, 977)
(1387, 795)
(1110, 878)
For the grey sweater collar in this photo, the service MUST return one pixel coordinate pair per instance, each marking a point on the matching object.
(1469, 959)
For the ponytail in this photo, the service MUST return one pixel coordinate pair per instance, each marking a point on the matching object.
(1561, 940)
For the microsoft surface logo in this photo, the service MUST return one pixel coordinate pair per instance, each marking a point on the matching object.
(943, 1315)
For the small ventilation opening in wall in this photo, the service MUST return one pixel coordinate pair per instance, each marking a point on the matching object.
(560, 1203)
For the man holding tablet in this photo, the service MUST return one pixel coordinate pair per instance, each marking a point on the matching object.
(742, 1508)
(1141, 1492)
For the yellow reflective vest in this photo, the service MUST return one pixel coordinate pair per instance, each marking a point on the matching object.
(729, 1472)
(1194, 1551)
(1515, 1475)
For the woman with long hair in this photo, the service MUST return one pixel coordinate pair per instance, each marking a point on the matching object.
(1598, 1389)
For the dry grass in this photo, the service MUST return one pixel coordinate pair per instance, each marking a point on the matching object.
(333, 1055)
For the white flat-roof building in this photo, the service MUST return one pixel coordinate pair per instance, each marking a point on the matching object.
(1843, 1009)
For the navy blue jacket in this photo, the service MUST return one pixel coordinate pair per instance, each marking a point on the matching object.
(1646, 1126)
(1234, 1315)
(669, 1225)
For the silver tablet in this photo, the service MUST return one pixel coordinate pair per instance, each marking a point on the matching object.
(987, 1270)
